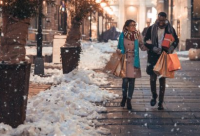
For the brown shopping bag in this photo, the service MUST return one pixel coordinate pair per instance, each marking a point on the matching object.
(113, 63)
(161, 67)
(121, 68)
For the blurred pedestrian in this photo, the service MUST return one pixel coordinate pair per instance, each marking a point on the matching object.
(145, 29)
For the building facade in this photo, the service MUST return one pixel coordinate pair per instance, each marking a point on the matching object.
(185, 17)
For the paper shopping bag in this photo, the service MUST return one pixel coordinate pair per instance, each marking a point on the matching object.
(161, 67)
(121, 68)
(174, 63)
(113, 63)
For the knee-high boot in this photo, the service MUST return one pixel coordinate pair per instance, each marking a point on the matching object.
(124, 91)
(161, 93)
(153, 79)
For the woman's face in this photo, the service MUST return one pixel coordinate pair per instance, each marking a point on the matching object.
(131, 27)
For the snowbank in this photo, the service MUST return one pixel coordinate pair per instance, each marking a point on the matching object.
(183, 53)
(63, 110)
(67, 108)
(33, 51)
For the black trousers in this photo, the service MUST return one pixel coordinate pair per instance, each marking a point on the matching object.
(162, 81)
(128, 84)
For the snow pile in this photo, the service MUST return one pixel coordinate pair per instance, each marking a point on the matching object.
(68, 108)
(65, 109)
(33, 51)
(95, 56)
(110, 46)
(88, 76)
(183, 53)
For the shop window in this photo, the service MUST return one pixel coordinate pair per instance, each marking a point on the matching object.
(195, 23)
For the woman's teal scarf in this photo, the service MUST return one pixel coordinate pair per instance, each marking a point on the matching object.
(120, 46)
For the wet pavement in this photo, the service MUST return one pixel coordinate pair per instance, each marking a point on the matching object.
(181, 115)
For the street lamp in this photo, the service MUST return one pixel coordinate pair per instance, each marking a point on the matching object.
(98, 1)
(103, 4)
(39, 62)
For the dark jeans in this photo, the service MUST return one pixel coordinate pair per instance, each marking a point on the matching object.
(153, 79)
(128, 84)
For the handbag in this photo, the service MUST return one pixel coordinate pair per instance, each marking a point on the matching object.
(161, 67)
(174, 63)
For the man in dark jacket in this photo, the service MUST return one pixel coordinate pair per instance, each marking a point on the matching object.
(153, 40)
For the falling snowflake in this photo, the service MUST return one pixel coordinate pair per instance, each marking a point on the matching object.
(146, 115)
(24, 97)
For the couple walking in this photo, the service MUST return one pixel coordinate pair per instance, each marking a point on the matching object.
(130, 41)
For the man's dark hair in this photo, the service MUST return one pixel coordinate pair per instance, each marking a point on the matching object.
(163, 14)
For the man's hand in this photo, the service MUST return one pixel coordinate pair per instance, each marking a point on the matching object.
(157, 50)
(171, 49)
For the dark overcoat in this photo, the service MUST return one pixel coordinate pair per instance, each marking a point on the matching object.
(153, 57)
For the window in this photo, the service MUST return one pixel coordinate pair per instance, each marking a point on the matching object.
(195, 23)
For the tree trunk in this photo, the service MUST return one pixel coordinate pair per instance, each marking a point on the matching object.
(74, 35)
(13, 40)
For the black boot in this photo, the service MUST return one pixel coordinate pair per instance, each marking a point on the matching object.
(160, 106)
(161, 94)
(123, 102)
(153, 79)
(129, 106)
(153, 100)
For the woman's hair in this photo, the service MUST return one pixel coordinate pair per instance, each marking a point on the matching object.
(127, 23)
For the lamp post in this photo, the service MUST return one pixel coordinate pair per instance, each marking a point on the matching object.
(90, 23)
(98, 1)
(39, 62)
(63, 12)
(102, 4)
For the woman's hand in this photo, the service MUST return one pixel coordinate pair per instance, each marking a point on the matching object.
(149, 42)
(118, 51)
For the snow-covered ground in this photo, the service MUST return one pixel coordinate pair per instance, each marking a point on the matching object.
(183, 53)
(67, 108)
(33, 51)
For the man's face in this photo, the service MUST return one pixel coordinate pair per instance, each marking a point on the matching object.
(161, 21)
